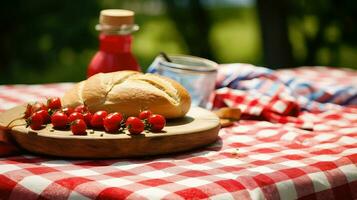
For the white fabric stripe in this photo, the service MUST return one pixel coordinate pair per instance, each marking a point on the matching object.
(256, 194)
(350, 172)
(320, 181)
(286, 189)
(35, 183)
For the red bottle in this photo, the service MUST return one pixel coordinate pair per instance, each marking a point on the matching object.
(115, 41)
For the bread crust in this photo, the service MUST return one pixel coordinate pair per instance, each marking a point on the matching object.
(130, 92)
(72, 97)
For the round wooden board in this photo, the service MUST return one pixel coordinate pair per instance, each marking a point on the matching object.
(198, 128)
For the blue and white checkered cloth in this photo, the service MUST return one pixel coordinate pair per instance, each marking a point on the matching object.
(312, 92)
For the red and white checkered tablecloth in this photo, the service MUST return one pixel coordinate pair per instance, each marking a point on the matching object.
(251, 160)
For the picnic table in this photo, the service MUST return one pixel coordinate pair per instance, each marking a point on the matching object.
(297, 139)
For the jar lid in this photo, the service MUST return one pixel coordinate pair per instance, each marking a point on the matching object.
(116, 17)
(117, 21)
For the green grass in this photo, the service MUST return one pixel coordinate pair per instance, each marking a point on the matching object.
(237, 39)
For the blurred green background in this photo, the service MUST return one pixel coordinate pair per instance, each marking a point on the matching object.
(53, 41)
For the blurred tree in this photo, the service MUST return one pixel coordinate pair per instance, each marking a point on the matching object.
(38, 32)
(274, 27)
(325, 26)
(193, 22)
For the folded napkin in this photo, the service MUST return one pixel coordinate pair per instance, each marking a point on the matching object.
(282, 96)
(255, 105)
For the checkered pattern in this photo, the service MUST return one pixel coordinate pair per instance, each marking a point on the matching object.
(279, 96)
(251, 160)
(255, 105)
(312, 88)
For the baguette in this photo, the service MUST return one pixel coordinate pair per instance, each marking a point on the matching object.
(130, 92)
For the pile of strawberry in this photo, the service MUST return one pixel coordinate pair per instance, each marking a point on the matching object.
(38, 115)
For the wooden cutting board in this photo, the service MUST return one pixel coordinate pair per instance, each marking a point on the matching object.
(198, 128)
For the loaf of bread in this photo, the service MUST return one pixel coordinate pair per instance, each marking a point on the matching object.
(130, 92)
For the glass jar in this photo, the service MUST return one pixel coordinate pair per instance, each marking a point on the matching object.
(197, 75)
(115, 41)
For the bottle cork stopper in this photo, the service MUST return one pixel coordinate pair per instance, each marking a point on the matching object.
(116, 17)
